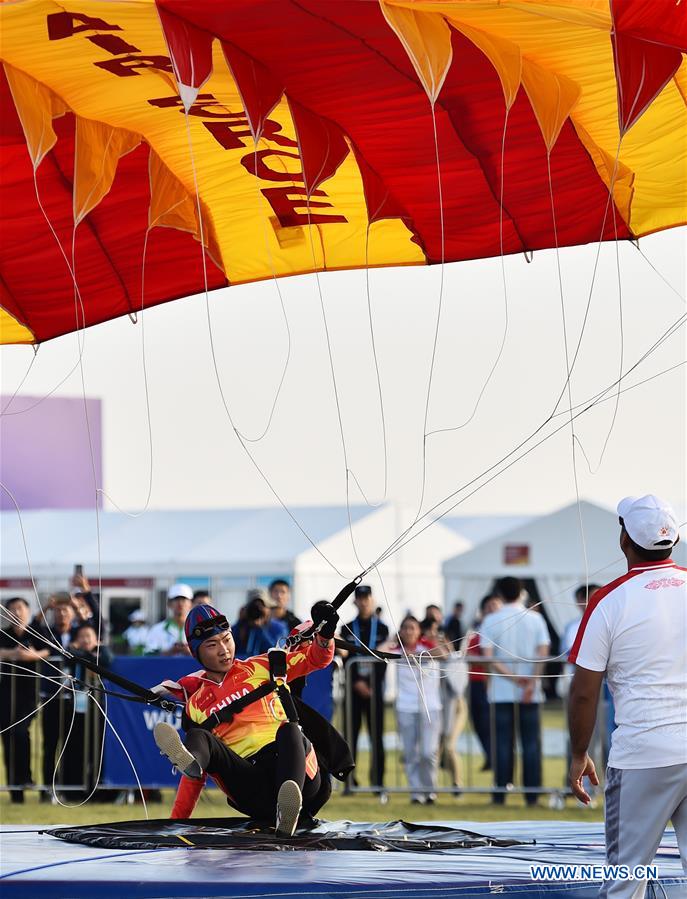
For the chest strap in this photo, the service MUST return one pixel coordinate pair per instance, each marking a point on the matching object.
(276, 683)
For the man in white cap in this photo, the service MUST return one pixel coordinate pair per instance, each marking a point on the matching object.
(136, 635)
(167, 637)
(634, 630)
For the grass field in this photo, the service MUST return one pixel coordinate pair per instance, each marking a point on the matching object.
(468, 807)
(355, 808)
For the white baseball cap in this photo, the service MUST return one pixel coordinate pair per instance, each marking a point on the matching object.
(649, 521)
(137, 615)
(179, 590)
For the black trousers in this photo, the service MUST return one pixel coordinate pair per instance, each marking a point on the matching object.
(372, 710)
(251, 784)
(16, 742)
(479, 713)
(56, 721)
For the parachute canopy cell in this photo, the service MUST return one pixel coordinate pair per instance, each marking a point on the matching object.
(290, 136)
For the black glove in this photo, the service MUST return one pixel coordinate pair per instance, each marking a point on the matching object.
(324, 611)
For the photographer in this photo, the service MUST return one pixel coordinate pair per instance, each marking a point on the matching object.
(250, 635)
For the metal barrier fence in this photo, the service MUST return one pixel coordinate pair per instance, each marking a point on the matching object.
(60, 739)
(458, 744)
(52, 733)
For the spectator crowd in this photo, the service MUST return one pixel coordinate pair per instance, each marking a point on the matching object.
(489, 673)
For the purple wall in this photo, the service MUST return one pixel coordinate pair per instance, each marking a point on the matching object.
(45, 458)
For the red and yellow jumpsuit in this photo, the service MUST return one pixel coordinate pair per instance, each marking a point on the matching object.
(253, 754)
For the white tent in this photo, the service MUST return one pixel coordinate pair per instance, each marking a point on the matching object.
(227, 550)
(551, 551)
(409, 580)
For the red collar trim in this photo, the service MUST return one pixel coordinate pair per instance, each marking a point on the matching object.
(666, 563)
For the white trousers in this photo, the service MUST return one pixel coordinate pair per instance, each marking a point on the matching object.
(420, 741)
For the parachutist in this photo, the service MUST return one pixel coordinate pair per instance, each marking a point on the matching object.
(265, 750)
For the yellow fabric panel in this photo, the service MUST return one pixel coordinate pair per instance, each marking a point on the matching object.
(681, 80)
(244, 235)
(427, 41)
(11, 331)
(572, 38)
(98, 150)
(552, 96)
(503, 55)
(35, 105)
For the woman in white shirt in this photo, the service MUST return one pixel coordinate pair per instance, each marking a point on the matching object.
(418, 695)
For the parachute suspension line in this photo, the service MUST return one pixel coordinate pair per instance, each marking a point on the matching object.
(21, 383)
(287, 326)
(648, 261)
(146, 391)
(594, 470)
(420, 684)
(28, 560)
(435, 341)
(504, 335)
(407, 537)
(215, 367)
(330, 356)
(391, 547)
(126, 753)
(81, 339)
(609, 201)
(380, 395)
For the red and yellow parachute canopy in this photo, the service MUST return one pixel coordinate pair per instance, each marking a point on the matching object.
(303, 132)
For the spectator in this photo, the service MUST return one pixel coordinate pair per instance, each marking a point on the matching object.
(431, 630)
(250, 636)
(86, 729)
(366, 696)
(418, 694)
(57, 712)
(280, 592)
(582, 593)
(275, 629)
(86, 645)
(512, 638)
(167, 637)
(201, 598)
(477, 678)
(454, 713)
(18, 695)
(86, 606)
(136, 635)
(635, 630)
(434, 613)
(453, 628)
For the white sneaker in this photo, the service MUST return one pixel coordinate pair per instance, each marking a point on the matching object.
(169, 743)
(289, 803)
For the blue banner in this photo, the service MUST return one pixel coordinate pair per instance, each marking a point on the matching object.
(134, 722)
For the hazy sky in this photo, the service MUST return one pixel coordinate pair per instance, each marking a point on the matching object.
(198, 461)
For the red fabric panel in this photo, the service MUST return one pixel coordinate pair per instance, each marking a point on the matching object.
(659, 21)
(260, 91)
(642, 70)
(189, 48)
(109, 243)
(473, 97)
(322, 146)
(377, 100)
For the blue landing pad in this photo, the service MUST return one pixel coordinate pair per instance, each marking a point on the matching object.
(35, 864)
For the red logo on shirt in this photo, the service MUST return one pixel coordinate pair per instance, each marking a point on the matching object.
(664, 582)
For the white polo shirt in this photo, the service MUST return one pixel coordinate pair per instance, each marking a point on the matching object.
(516, 635)
(635, 629)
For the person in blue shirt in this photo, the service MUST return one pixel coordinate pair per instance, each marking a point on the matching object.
(252, 634)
